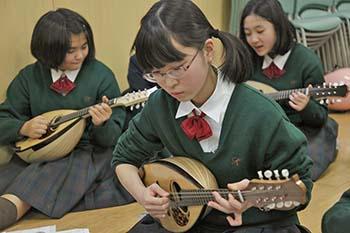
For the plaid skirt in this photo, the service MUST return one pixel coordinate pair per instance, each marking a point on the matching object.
(80, 181)
(322, 145)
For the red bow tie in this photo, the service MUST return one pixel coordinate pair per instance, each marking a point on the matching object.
(63, 85)
(272, 71)
(196, 127)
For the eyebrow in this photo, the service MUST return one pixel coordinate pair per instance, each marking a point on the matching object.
(80, 46)
(175, 67)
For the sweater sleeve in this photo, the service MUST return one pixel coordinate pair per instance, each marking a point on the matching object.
(15, 110)
(314, 114)
(139, 142)
(108, 133)
(288, 150)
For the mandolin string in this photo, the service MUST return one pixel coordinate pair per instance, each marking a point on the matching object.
(205, 197)
(84, 111)
(191, 195)
(77, 114)
(318, 91)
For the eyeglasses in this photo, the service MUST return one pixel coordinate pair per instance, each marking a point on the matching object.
(176, 73)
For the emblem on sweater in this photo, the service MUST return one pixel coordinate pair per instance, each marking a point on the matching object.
(235, 161)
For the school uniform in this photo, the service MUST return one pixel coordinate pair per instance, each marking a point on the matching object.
(249, 133)
(302, 67)
(336, 219)
(81, 180)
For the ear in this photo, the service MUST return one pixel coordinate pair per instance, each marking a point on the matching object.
(208, 49)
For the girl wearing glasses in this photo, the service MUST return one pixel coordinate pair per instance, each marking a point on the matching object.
(207, 113)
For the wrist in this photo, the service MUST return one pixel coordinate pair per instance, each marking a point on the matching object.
(22, 131)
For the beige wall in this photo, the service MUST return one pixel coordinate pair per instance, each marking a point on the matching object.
(114, 23)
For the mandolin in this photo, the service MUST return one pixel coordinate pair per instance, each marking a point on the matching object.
(66, 128)
(190, 185)
(317, 92)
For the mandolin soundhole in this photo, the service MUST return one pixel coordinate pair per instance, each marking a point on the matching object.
(180, 217)
(180, 214)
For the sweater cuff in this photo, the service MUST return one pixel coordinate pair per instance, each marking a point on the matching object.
(312, 113)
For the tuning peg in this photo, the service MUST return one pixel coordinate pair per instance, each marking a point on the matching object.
(137, 106)
(279, 205)
(132, 107)
(329, 84)
(268, 174)
(335, 84)
(261, 177)
(324, 85)
(296, 203)
(288, 204)
(277, 175)
(285, 173)
(143, 104)
(322, 101)
(271, 206)
(327, 101)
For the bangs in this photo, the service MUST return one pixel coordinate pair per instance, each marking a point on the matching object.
(154, 48)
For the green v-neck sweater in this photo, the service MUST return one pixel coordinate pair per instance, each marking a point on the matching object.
(302, 68)
(30, 95)
(256, 135)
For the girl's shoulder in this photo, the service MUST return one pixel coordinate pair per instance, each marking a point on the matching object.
(96, 65)
(301, 51)
(255, 99)
(31, 70)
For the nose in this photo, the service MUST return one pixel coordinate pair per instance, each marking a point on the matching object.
(254, 38)
(79, 55)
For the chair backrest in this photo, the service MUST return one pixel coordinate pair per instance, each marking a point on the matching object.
(237, 7)
(313, 8)
(288, 7)
(343, 5)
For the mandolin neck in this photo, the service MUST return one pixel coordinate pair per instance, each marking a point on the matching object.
(82, 113)
(203, 196)
(314, 92)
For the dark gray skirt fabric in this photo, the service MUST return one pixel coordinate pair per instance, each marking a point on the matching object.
(322, 146)
(80, 181)
(148, 224)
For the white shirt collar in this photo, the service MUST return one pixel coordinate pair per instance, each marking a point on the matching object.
(279, 60)
(214, 105)
(71, 74)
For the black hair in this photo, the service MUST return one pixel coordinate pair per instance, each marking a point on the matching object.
(272, 11)
(184, 22)
(52, 34)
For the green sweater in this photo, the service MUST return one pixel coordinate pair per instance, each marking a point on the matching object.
(303, 67)
(255, 131)
(29, 95)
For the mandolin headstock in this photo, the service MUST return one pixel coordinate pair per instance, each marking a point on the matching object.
(327, 90)
(281, 194)
(133, 99)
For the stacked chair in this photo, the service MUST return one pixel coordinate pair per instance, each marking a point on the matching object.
(341, 8)
(322, 25)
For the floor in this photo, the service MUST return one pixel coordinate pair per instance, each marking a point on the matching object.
(328, 188)
(326, 192)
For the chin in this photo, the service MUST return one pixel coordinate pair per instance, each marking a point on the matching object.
(75, 67)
